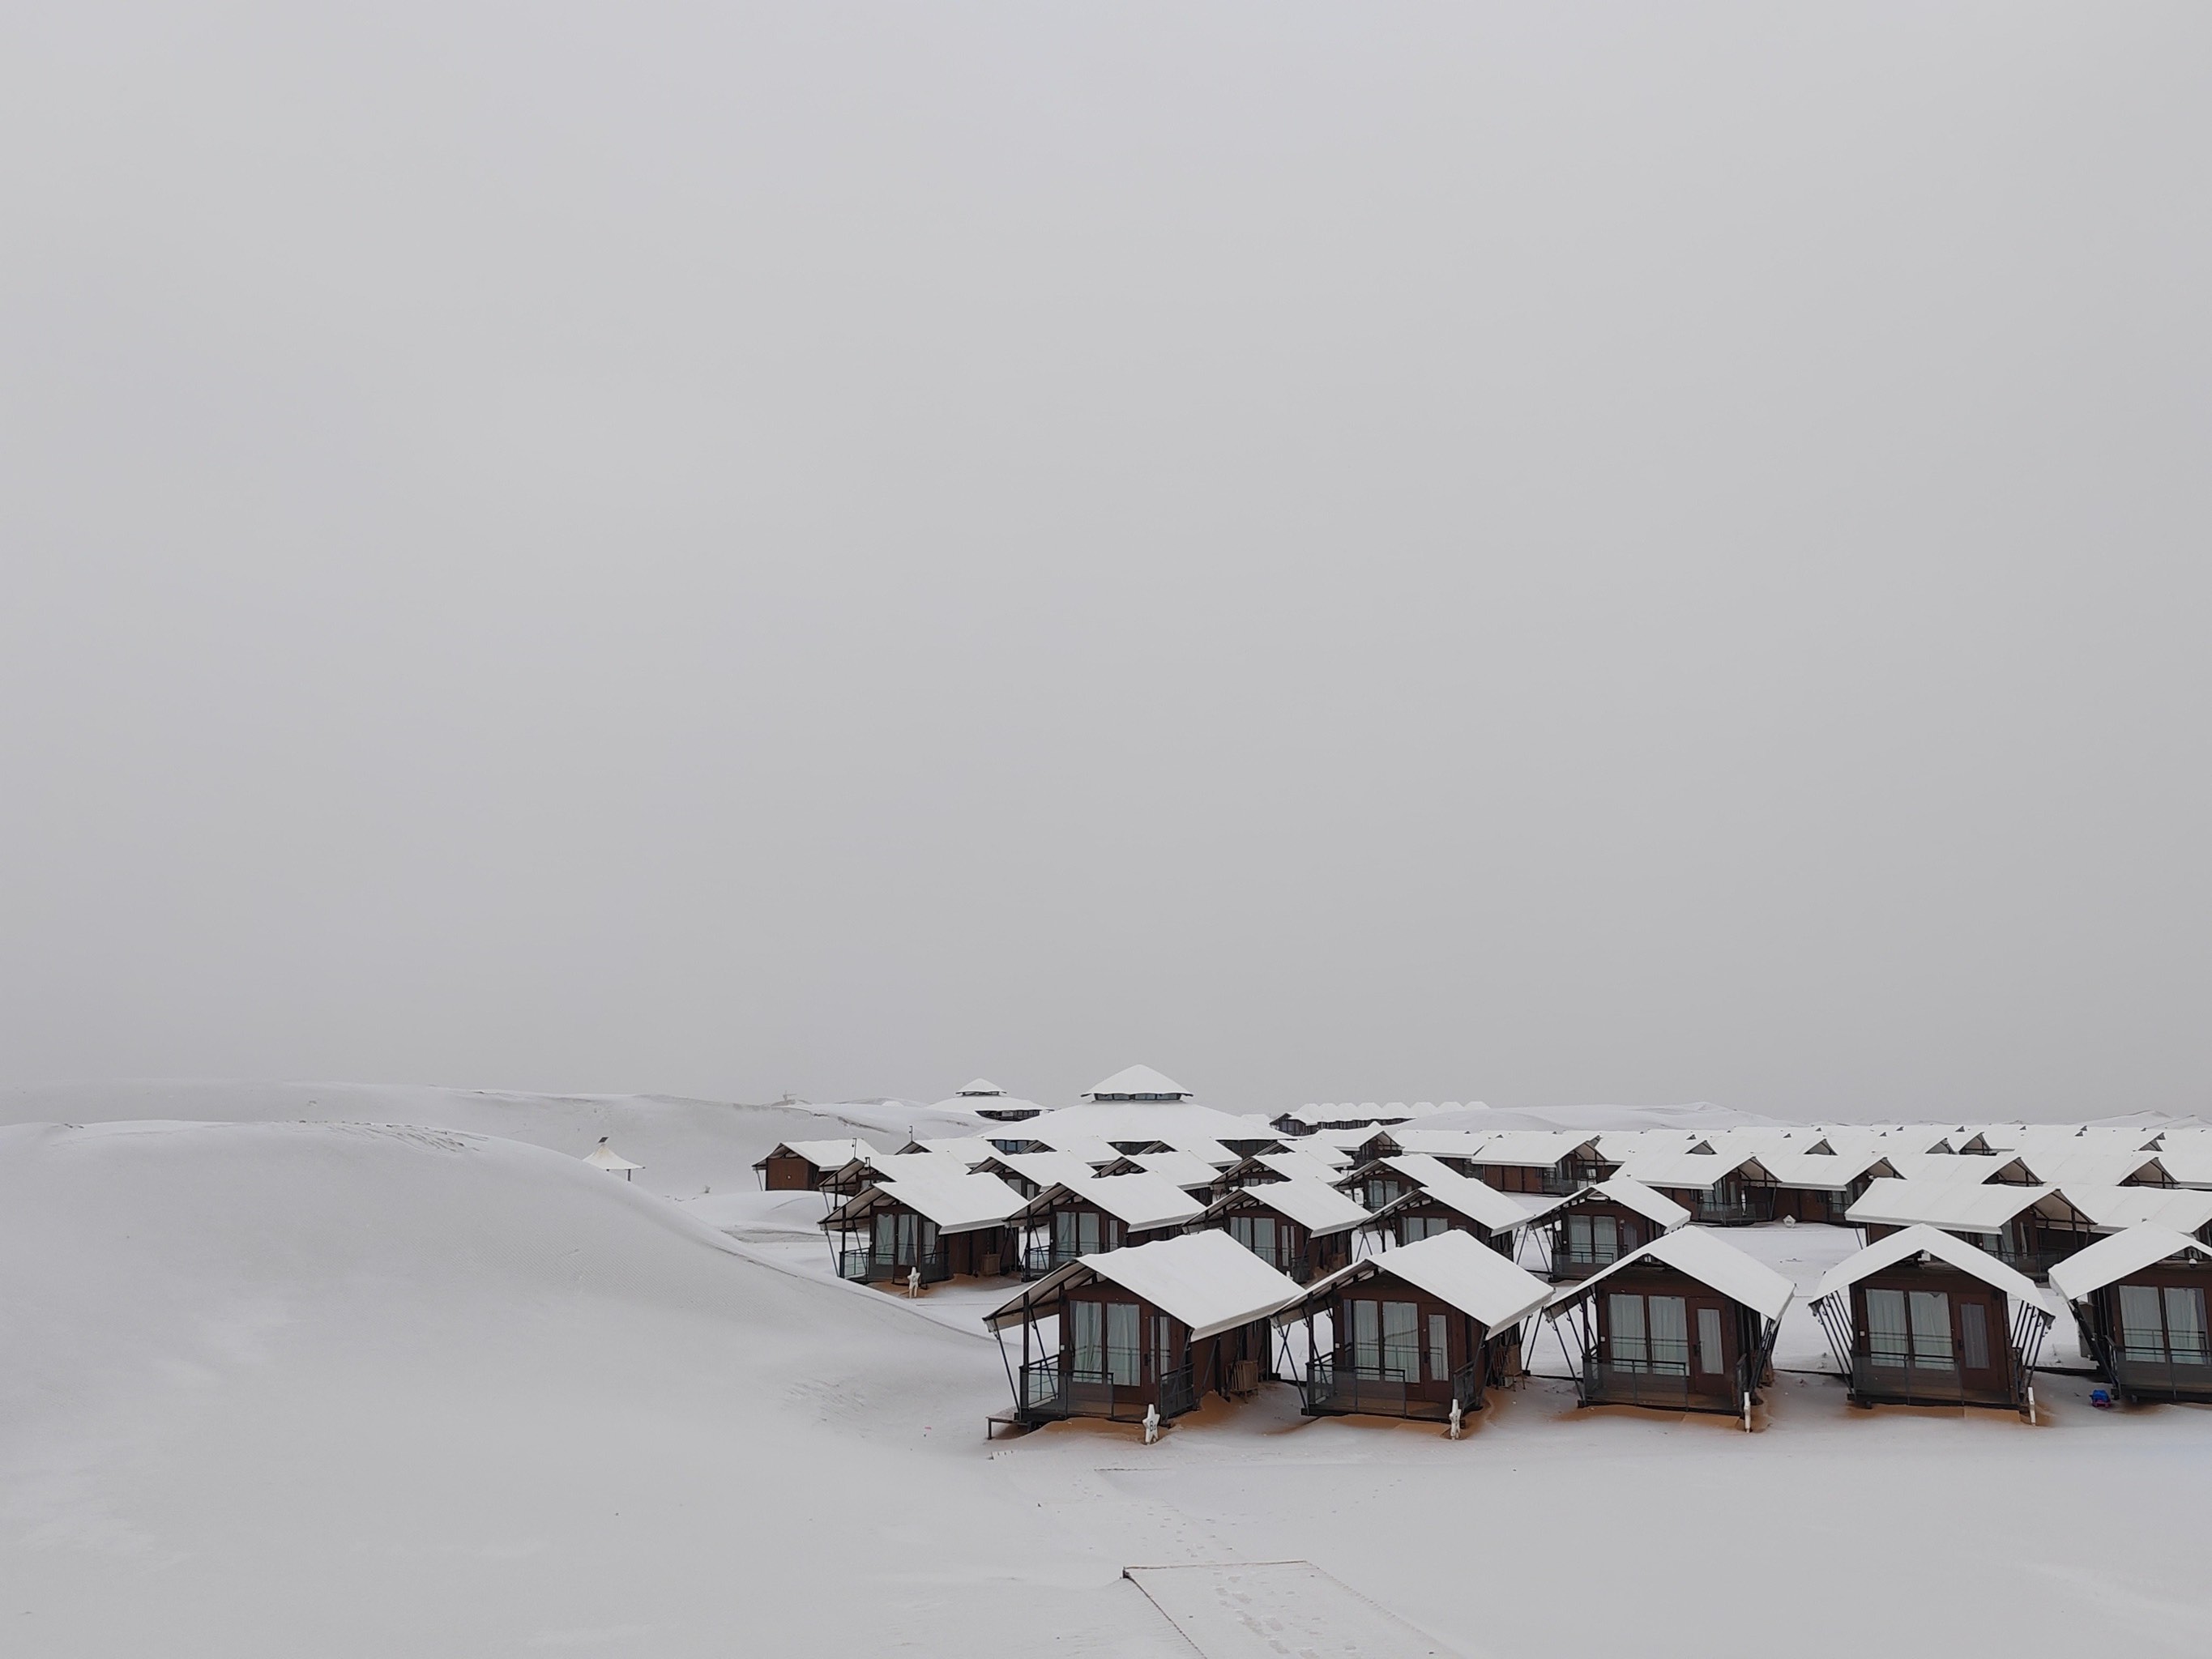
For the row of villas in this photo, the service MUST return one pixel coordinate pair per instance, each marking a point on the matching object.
(1169, 1251)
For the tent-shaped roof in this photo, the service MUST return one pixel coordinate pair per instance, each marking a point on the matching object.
(1046, 1169)
(1094, 1149)
(1959, 1206)
(971, 1150)
(1630, 1194)
(1185, 1170)
(1314, 1205)
(1455, 1268)
(1683, 1167)
(604, 1157)
(1830, 1171)
(2093, 1166)
(1207, 1280)
(2113, 1258)
(1531, 1148)
(1701, 1255)
(1139, 1202)
(1947, 1248)
(821, 1154)
(1477, 1200)
(957, 1201)
(1321, 1164)
(1136, 1080)
(2111, 1209)
(976, 1087)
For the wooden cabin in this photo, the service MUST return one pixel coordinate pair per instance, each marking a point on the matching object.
(1300, 1228)
(1152, 1328)
(1595, 1227)
(1553, 1162)
(928, 1221)
(1439, 1201)
(1415, 1331)
(1073, 1219)
(1820, 1184)
(2139, 1300)
(803, 1166)
(1923, 1318)
(1720, 1185)
(1684, 1323)
(2029, 1229)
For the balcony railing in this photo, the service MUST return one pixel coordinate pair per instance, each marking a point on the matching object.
(1051, 1389)
(1335, 1389)
(866, 1267)
(2162, 1378)
(1663, 1384)
(1899, 1380)
(1735, 1212)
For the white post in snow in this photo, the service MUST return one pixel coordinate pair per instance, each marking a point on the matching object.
(2031, 1405)
(1152, 1425)
(1747, 1411)
(1455, 1419)
(913, 1281)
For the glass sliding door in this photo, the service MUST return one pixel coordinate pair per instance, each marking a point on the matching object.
(1974, 1336)
(1709, 1346)
(1087, 1337)
(1668, 1320)
(1401, 1351)
(1624, 1322)
(1123, 1364)
(1889, 1337)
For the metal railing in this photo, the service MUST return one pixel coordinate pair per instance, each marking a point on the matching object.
(1735, 1212)
(1050, 1389)
(865, 1266)
(2164, 1378)
(1901, 1380)
(1333, 1389)
(1664, 1383)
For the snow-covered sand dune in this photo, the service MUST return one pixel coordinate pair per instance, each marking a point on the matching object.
(296, 1388)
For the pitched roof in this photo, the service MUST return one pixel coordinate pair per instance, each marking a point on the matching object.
(1960, 1206)
(1701, 1255)
(1320, 1165)
(1046, 1169)
(1917, 1240)
(1630, 1194)
(2113, 1258)
(1314, 1205)
(957, 1201)
(981, 1085)
(1477, 1200)
(1185, 1170)
(822, 1154)
(1207, 1280)
(1531, 1148)
(604, 1157)
(1456, 1268)
(1139, 1202)
(1829, 1171)
(1687, 1167)
(2111, 1209)
(1136, 1080)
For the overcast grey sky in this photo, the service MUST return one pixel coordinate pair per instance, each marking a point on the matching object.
(1540, 555)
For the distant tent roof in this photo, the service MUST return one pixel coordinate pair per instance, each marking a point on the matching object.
(2113, 1209)
(1961, 1205)
(1456, 1268)
(981, 1085)
(1630, 1194)
(957, 1201)
(1207, 1280)
(821, 1154)
(1918, 1240)
(604, 1157)
(1140, 1202)
(1702, 1256)
(1477, 1200)
(2113, 1258)
(1137, 1080)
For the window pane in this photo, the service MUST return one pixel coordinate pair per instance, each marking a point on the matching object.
(2185, 1324)
(1366, 1338)
(1888, 1342)
(1090, 1344)
(1932, 1327)
(1263, 1236)
(1122, 1366)
(1669, 1317)
(2143, 1328)
(1974, 1336)
(1709, 1342)
(1624, 1318)
(1578, 1238)
(1086, 1232)
(1439, 1349)
(1605, 1239)
(1401, 1353)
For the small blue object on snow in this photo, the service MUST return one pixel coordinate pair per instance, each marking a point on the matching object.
(2101, 1399)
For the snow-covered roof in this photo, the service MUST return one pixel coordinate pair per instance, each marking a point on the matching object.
(1698, 1255)
(976, 1086)
(957, 1201)
(2111, 1259)
(1531, 1148)
(1477, 1200)
(2091, 1167)
(1185, 1170)
(823, 1154)
(1440, 1143)
(1323, 1163)
(1630, 1194)
(1961, 1205)
(1962, 1167)
(1314, 1205)
(1048, 1168)
(1094, 1149)
(1139, 1202)
(1456, 1268)
(1145, 1121)
(1915, 1240)
(1687, 1167)
(2111, 1209)
(2188, 1160)
(604, 1157)
(971, 1150)
(1829, 1171)
(1207, 1280)
(1136, 1080)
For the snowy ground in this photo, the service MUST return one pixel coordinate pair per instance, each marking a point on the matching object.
(291, 1389)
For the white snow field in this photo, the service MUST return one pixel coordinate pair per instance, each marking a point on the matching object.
(319, 1388)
